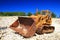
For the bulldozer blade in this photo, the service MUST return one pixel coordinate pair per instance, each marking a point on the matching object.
(15, 24)
(26, 28)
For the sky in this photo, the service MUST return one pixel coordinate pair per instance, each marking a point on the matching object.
(30, 6)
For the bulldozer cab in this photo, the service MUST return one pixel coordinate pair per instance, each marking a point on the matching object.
(46, 12)
(47, 16)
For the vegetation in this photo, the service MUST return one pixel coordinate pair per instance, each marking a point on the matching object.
(53, 15)
(20, 14)
(12, 14)
(29, 14)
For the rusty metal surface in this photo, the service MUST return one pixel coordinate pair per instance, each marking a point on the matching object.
(15, 24)
(27, 27)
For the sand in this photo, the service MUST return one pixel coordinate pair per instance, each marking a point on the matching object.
(9, 34)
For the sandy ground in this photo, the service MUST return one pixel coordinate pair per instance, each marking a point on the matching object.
(9, 34)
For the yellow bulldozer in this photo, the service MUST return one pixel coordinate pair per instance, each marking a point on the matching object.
(39, 23)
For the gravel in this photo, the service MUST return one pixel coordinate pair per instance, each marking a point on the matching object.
(9, 34)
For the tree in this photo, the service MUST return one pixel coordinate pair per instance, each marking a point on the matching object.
(1, 13)
(29, 14)
(21, 14)
(53, 15)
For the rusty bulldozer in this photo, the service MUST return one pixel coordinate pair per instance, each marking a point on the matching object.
(39, 23)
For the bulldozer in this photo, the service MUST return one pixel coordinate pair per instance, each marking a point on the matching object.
(27, 26)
